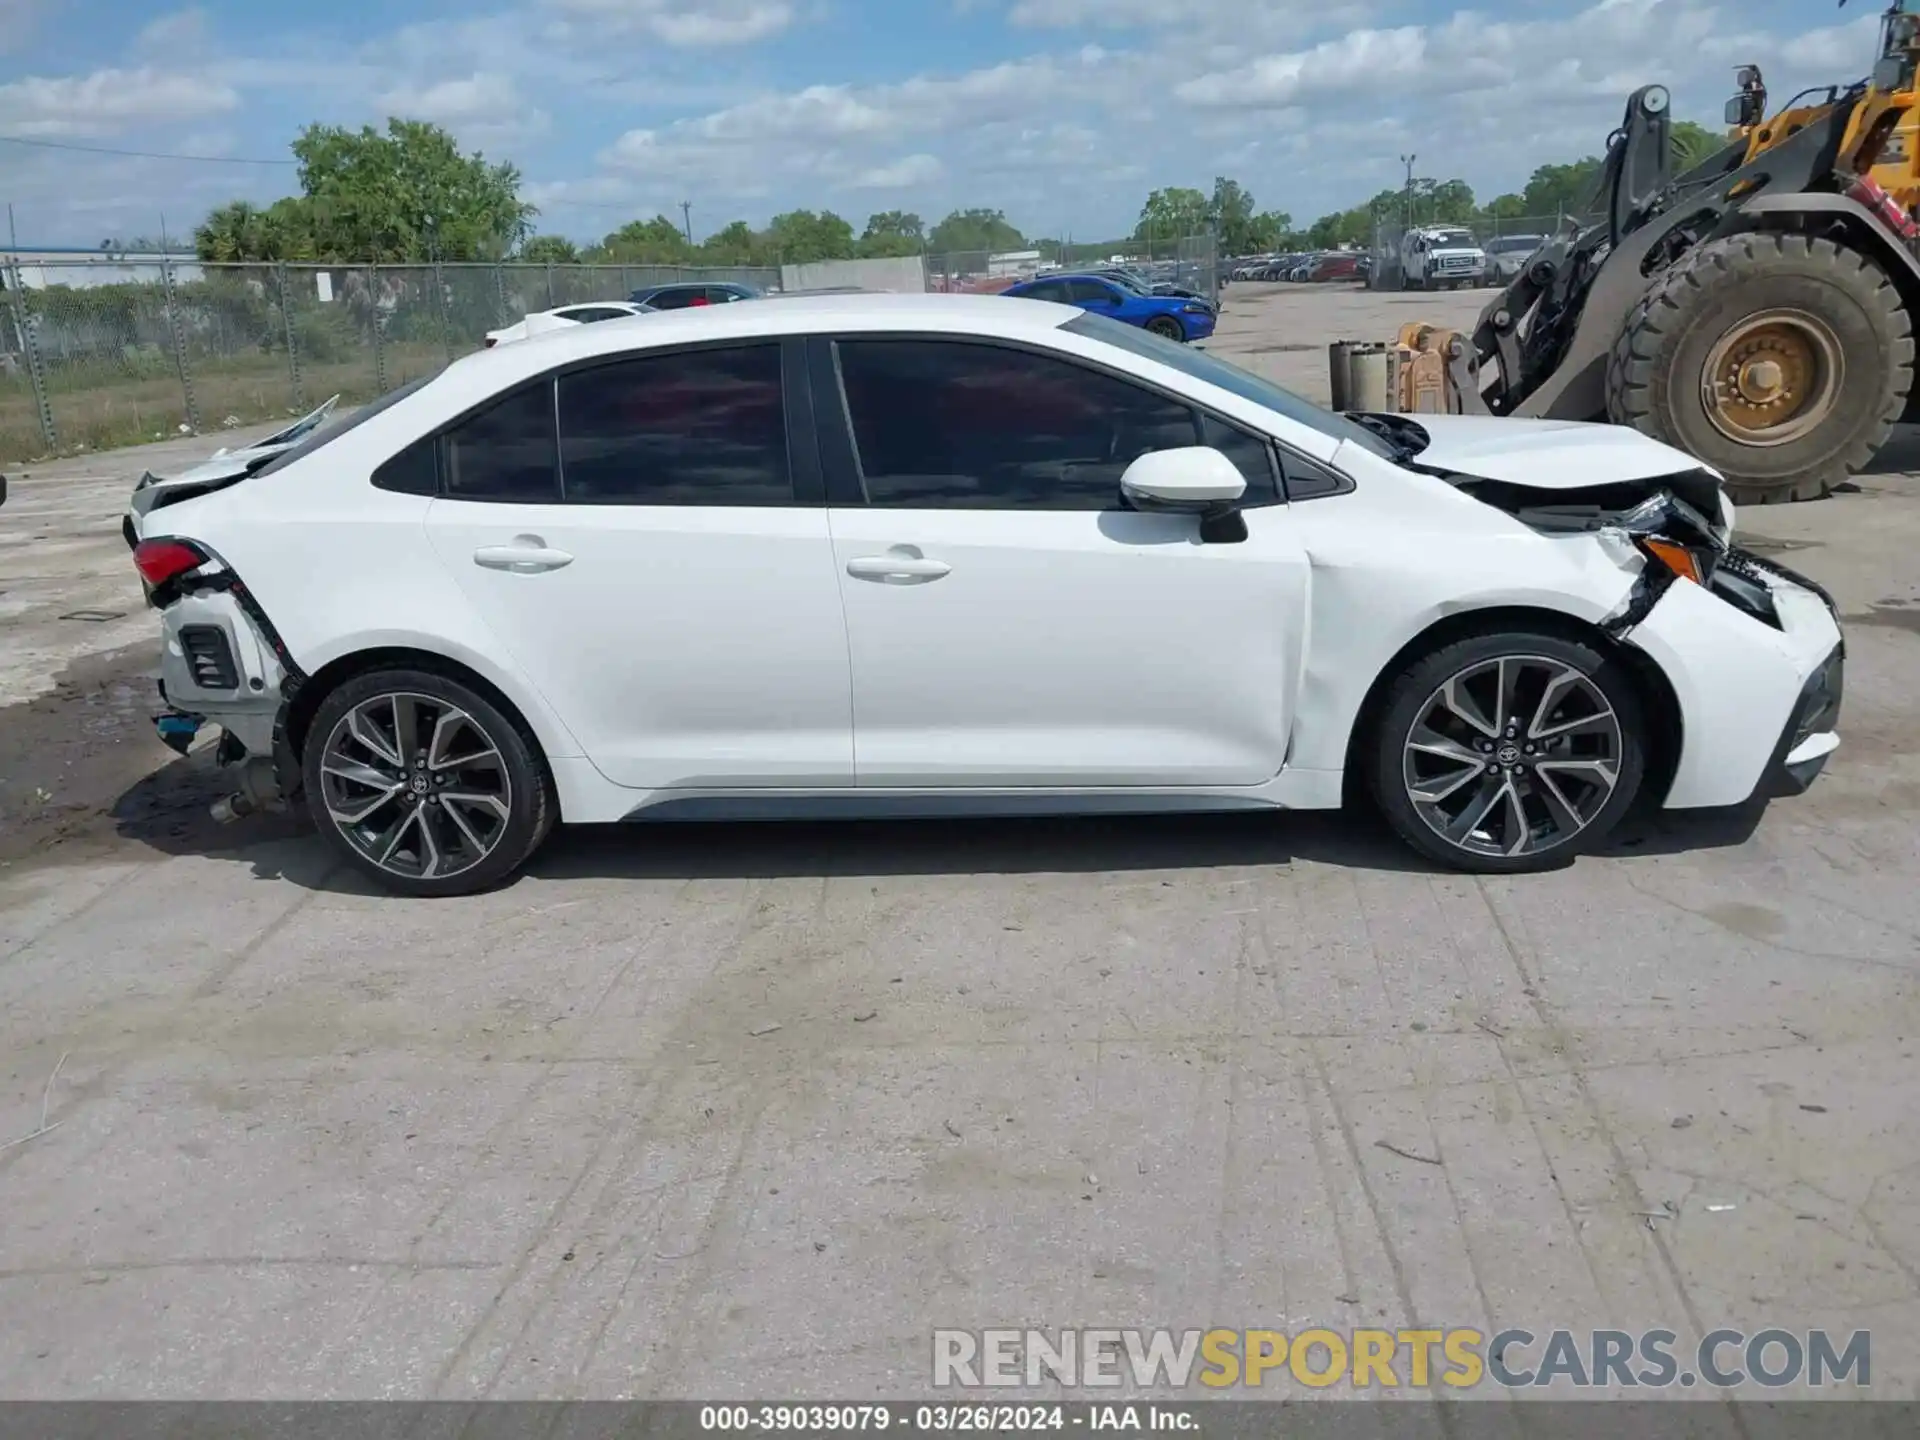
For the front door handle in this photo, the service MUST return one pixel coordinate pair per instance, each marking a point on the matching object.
(902, 565)
(527, 555)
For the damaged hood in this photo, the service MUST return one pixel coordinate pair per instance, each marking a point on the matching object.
(1544, 454)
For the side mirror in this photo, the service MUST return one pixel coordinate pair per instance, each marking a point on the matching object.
(1743, 111)
(3, 489)
(1195, 479)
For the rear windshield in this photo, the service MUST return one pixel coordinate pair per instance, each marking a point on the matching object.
(328, 433)
(1231, 378)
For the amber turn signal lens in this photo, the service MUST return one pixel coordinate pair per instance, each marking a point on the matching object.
(1676, 558)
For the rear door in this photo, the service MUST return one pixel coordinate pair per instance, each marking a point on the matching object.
(1011, 623)
(648, 542)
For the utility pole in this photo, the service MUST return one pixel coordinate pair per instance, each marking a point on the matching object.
(686, 219)
(1407, 160)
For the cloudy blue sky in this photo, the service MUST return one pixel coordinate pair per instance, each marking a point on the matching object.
(1064, 113)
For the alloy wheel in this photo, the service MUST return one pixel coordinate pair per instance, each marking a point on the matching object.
(416, 785)
(1513, 756)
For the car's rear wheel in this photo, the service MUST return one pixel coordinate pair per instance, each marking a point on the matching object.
(1510, 751)
(1167, 326)
(423, 784)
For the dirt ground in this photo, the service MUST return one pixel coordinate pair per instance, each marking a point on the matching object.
(746, 1111)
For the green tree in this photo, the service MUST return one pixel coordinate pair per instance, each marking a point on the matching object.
(1270, 230)
(969, 230)
(1447, 202)
(550, 250)
(645, 242)
(243, 233)
(893, 232)
(800, 237)
(735, 244)
(1506, 207)
(1694, 144)
(1172, 215)
(1232, 211)
(407, 194)
(1562, 189)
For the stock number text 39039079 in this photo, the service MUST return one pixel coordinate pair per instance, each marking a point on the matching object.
(906, 1419)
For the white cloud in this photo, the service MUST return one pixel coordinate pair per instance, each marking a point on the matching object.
(691, 24)
(108, 102)
(480, 109)
(901, 174)
(183, 31)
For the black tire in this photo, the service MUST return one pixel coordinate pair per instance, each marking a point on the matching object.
(1656, 371)
(530, 803)
(1167, 327)
(1406, 700)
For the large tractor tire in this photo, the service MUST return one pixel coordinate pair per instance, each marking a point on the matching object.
(1781, 361)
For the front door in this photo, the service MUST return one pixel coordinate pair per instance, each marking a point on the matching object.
(647, 563)
(1011, 623)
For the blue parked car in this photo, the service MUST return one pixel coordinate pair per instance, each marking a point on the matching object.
(1177, 317)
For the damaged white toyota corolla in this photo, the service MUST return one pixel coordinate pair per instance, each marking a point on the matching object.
(943, 555)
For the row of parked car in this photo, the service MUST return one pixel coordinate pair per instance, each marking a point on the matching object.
(1164, 307)
(1305, 267)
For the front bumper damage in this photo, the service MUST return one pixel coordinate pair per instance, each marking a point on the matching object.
(1809, 738)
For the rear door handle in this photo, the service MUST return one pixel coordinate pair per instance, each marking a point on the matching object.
(527, 555)
(898, 568)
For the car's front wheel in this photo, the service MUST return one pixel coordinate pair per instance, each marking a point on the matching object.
(1509, 751)
(1167, 326)
(423, 784)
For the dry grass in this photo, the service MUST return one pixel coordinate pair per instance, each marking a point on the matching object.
(102, 406)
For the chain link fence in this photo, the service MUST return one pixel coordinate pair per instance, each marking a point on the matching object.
(88, 362)
(188, 348)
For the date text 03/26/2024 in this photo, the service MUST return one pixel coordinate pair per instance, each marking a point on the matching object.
(945, 1418)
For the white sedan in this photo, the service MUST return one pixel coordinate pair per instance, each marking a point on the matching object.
(942, 555)
(565, 317)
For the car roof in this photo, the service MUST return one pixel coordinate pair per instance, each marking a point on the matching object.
(988, 315)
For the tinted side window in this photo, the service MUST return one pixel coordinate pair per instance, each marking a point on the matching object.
(1308, 481)
(414, 471)
(705, 427)
(1094, 290)
(1046, 290)
(505, 452)
(949, 425)
(676, 299)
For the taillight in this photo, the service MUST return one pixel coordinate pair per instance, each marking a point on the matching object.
(1874, 196)
(159, 561)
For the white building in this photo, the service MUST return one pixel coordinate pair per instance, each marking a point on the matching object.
(1014, 262)
(80, 268)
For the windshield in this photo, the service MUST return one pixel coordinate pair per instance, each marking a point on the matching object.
(1513, 244)
(1129, 278)
(1455, 240)
(1231, 378)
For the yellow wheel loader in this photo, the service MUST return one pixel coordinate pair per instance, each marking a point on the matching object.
(1757, 310)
